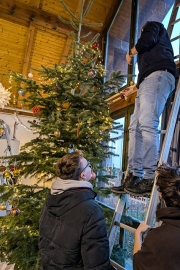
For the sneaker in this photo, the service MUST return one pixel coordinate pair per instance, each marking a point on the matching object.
(142, 188)
(128, 181)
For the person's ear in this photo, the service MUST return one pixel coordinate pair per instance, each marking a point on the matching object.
(82, 176)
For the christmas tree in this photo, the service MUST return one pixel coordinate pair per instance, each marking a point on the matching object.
(69, 101)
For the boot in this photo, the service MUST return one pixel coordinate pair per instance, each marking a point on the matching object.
(128, 181)
(142, 188)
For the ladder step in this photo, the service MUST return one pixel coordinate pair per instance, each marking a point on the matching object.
(174, 22)
(177, 56)
(116, 265)
(124, 226)
(175, 38)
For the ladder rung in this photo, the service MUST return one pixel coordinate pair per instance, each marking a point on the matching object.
(175, 38)
(177, 56)
(116, 265)
(126, 227)
(176, 21)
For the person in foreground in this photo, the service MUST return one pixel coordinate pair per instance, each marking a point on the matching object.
(160, 249)
(72, 226)
(156, 81)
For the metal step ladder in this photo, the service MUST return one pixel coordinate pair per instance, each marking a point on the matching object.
(154, 198)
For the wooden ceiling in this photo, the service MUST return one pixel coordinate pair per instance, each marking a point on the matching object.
(31, 34)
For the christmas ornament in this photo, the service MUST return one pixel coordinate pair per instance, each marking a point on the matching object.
(56, 87)
(4, 96)
(57, 133)
(3, 207)
(36, 109)
(30, 75)
(2, 168)
(21, 92)
(13, 181)
(7, 175)
(16, 172)
(92, 73)
(15, 211)
(95, 45)
(77, 86)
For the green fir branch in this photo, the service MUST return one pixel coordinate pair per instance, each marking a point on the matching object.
(88, 8)
(68, 10)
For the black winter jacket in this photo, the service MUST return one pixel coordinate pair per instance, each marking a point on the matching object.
(155, 51)
(73, 232)
(161, 247)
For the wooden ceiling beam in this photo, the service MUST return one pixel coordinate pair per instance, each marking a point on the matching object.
(28, 48)
(21, 11)
(5, 16)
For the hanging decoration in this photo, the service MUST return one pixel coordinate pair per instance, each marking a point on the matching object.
(2, 168)
(56, 87)
(3, 206)
(15, 211)
(2, 131)
(4, 96)
(95, 45)
(7, 175)
(92, 73)
(36, 109)
(21, 92)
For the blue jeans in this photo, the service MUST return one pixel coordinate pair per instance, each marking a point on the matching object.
(152, 95)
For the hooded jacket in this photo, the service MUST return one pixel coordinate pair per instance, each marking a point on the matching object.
(155, 51)
(161, 247)
(72, 229)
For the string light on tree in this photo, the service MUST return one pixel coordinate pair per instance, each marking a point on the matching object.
(30, 75)
(57, 133)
